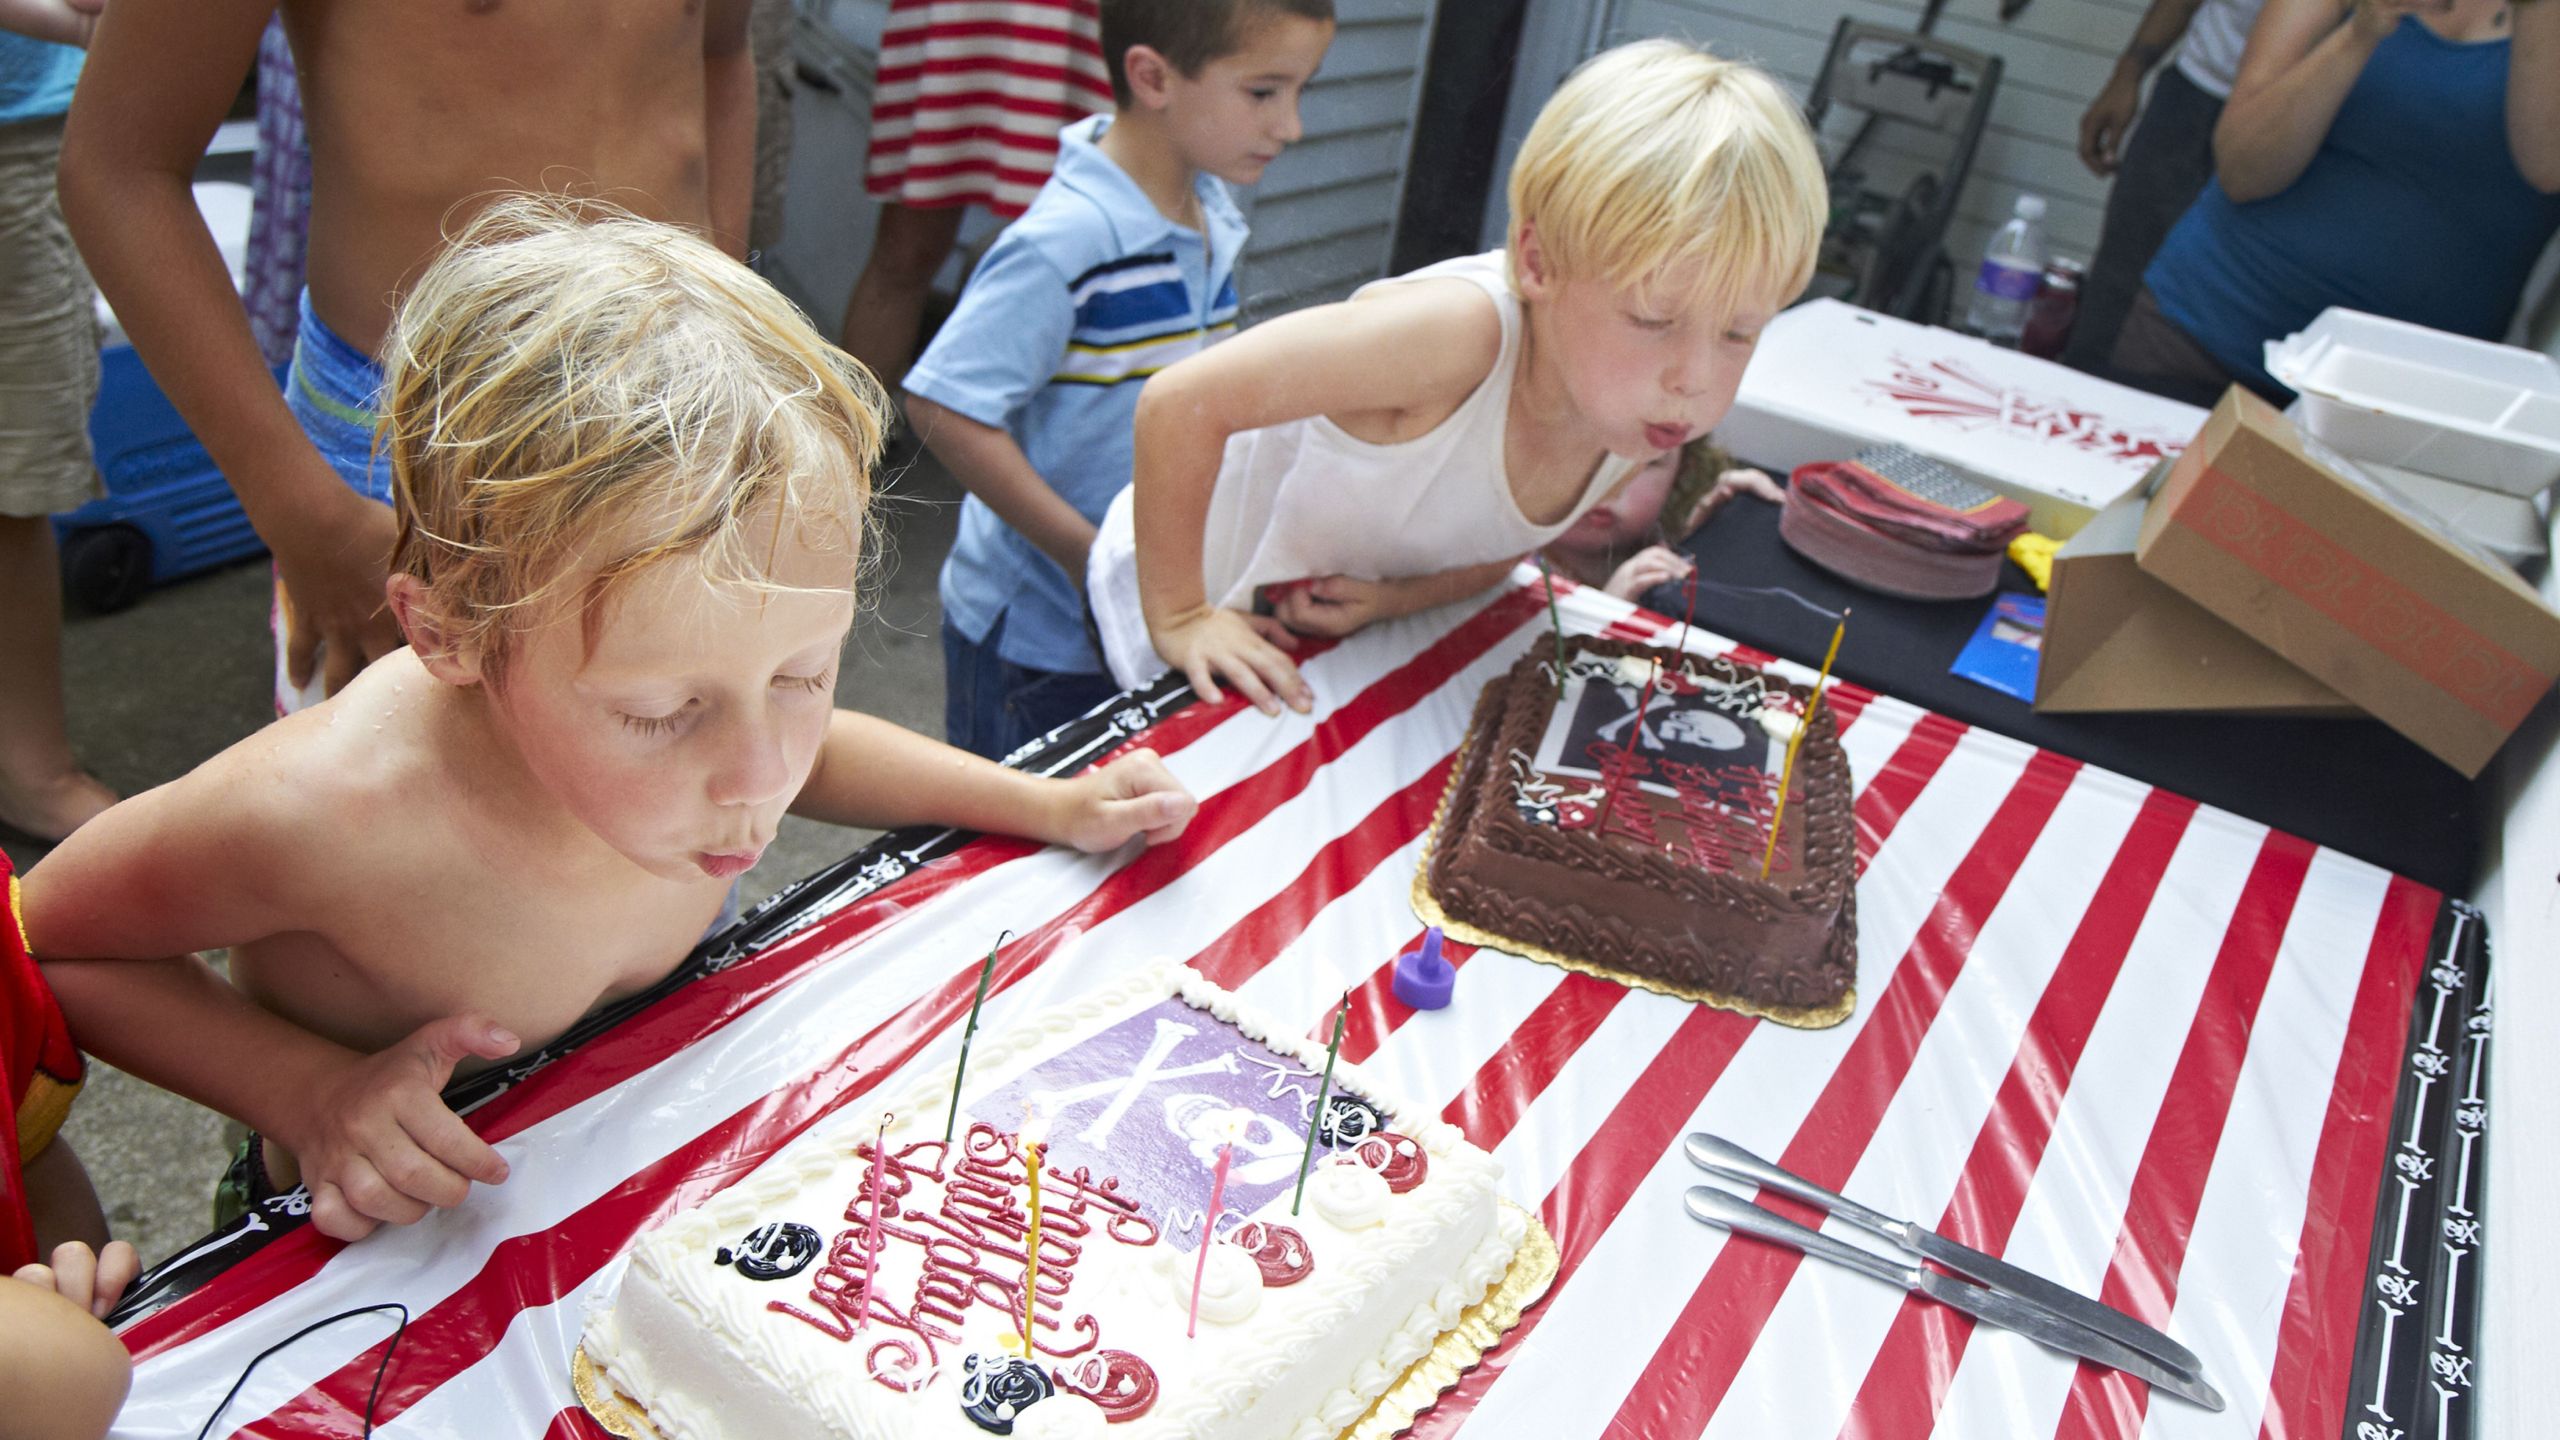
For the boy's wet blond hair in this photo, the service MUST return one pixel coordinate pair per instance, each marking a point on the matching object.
(572, 394)
(1659, 153)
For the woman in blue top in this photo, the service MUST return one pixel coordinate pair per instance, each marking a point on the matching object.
(2400, 157)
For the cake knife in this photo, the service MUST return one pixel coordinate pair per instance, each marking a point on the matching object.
(1728, 1211)
(1717, 1155)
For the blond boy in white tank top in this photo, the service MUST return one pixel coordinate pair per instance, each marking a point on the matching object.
(1404, 448)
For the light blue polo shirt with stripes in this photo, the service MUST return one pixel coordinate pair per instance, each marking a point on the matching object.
(1090, 292)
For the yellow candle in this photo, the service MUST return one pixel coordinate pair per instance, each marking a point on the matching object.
(1031, 1137)
(1787, 770)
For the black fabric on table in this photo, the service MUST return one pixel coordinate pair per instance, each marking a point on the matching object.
(2353, 785)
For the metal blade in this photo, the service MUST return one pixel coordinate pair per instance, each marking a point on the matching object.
(2010, 1312)
(1720, 1156)
(2071, 1305)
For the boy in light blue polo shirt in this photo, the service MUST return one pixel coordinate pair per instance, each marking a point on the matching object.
(1123, 265)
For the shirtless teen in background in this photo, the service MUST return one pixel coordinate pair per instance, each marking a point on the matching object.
(419, 112)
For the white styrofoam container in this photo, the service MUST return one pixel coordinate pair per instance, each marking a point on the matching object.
(2508, 527)
(2443, 405)
(2505, 525)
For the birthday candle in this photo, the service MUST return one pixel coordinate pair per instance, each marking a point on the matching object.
(1209, 1231)
(1555, 617)
(1033, 1133)
(1787, 770)
(1315, 1122)
(871, 1251)
(1627, 757)
(986, 972)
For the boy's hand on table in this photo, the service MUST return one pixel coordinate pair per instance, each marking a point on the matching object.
(1245, 649)
(378, 1145)
(1653, 565)
(1133, 795)
(1336, 605)
(92, 1280)
(333, 568)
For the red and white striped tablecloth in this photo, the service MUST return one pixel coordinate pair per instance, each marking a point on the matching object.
(2143, 1047)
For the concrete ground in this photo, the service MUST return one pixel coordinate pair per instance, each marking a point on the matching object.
(157, 689)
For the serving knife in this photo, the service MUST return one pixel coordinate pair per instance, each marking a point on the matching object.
(1719, 1156)
(1728, 1211)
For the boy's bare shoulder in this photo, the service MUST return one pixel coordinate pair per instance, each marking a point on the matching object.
(272, 834)
(1444, 324)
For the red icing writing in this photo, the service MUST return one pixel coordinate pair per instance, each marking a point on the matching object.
(1280, 1252)
(1398, 1160)
(1725, 812)
(1120, 1384)
(972, 1252)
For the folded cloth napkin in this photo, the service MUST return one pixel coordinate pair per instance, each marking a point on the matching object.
(1898, 522)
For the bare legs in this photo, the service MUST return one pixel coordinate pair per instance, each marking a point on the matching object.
(43, 790)
(886, 309)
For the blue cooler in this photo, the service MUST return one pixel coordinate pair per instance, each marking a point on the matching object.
(167, 513)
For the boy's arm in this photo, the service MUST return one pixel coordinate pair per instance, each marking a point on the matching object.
(1340, 604)
(113, 914)
(1004, 343)
(1406, 352)
(988, 464)
(60, 22)
(729, 122)
(881, 776)
(161, 75)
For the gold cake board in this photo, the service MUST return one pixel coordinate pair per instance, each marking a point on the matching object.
(1533, 1268)
(1426, 907)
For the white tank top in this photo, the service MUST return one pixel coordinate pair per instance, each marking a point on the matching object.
(1307, 498)
(2209, 53)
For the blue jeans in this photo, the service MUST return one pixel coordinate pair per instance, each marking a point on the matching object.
(993, 707)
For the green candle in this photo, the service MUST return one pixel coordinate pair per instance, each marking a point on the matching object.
(986, 973)
(1555, 617)
(1324, 1087)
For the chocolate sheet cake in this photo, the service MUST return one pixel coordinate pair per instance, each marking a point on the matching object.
(1593, 825)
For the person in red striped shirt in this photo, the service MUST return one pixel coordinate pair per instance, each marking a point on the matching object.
(969, 101)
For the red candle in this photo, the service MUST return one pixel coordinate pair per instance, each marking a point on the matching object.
(871, 1250)
(1208, 1232)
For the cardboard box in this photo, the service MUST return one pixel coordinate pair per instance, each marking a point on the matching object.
(2118, 639)
(2438, 641)
(1830, 379)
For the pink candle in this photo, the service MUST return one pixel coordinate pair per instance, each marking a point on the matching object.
(1208, 1232)
(871, 1250)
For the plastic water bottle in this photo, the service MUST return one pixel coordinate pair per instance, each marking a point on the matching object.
(2012, 268)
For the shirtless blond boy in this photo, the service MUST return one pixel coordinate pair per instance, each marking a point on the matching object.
(631, 485)
(419, 111)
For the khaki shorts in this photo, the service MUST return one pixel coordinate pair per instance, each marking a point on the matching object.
(48, 335)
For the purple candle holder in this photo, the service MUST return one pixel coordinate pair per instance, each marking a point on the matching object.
(1423, 980)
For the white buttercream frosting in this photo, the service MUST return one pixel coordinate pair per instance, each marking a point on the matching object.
(1348, 1194)
(1230, 1283)
(1061, 1417)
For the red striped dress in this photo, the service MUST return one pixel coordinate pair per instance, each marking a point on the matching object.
(972, 94)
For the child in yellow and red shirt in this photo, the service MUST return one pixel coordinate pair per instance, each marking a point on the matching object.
(73, 1372)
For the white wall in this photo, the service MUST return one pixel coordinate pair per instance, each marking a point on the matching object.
(1324, 215)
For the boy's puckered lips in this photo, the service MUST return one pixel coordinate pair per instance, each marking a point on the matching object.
(728, 865)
